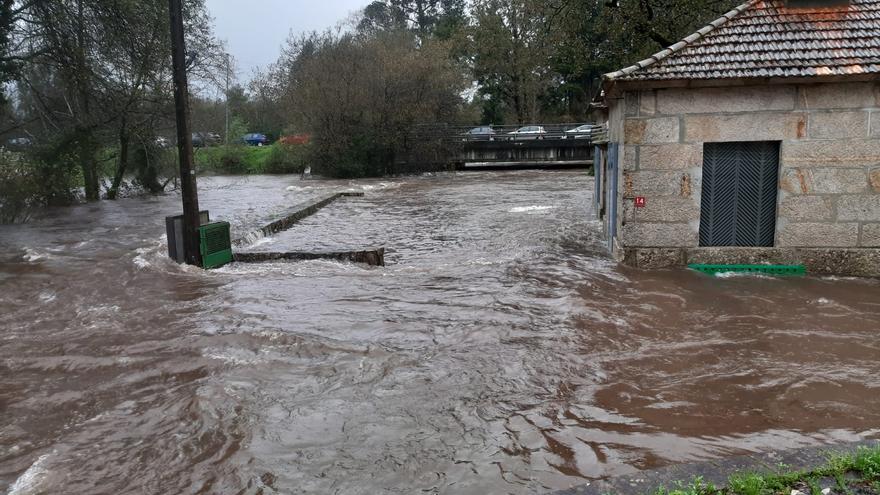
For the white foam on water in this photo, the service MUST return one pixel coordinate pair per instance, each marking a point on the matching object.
(98, 310)
(299, 188)
(294, 268)
(837, 278)
(234, 357)
(140, 260)
(152, 254)
(377, 187)
(29, 482)
(487, 262)
(262, 242)
(744, 275)
(530, 209)
(47, 296)
(31, 255)
(671, 405)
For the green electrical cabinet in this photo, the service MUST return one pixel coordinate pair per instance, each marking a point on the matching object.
(215, 243)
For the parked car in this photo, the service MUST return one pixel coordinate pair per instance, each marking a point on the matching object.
(528, 132)
(581, 132)
(204, 139)
(482, 133)
(19, 143)
(255, 139)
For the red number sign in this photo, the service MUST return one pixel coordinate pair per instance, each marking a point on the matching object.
(641, 202)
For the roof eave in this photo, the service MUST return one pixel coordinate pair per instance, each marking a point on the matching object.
(616, 87)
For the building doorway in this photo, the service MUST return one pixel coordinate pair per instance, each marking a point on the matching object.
(740, 188)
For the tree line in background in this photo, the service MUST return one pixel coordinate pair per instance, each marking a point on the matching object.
(87, 84)
(368, 92)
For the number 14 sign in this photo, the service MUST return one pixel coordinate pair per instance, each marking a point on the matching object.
(641, 202)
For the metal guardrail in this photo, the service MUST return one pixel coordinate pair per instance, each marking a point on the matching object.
(452, 145)
(502, 132)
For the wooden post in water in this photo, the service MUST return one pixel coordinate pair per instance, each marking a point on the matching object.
(188, 188)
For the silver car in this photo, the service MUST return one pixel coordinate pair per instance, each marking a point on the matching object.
(528, 132)
(482, 133)
(581, 132)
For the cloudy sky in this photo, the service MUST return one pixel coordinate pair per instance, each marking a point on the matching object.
(254, 31)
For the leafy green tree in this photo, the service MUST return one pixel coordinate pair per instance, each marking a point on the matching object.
(600, 36)
(438, 18)
(8, 64)
(510, 54)
(543, 60)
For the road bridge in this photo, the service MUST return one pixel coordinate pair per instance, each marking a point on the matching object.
(546, 145)
(525, 153)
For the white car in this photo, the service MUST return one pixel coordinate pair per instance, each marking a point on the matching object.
(581, 132)
(528, 132)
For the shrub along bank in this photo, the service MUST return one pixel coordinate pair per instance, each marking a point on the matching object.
(851, 474)
(32, 180)
(245, 160)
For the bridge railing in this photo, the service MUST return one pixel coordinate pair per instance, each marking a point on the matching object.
(460, 133)
(445, 145)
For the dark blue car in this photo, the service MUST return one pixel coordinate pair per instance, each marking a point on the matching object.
(255, 139)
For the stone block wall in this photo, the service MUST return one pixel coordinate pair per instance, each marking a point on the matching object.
(829, 191)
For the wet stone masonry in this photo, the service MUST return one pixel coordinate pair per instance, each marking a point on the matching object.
(829, 191)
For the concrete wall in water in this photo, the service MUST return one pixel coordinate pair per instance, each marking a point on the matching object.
(829, 178)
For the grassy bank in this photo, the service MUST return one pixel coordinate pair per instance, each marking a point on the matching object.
(849, 474)
(244, 160)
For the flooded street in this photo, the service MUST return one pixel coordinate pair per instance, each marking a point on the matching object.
(500, 351)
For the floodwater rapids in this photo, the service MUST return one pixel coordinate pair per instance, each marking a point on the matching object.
(501, 351)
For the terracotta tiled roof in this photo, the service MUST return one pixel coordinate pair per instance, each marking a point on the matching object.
(764, 38)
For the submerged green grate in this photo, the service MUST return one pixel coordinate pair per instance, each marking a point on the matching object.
(781, 270)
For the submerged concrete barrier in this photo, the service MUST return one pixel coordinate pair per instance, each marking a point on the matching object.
(372, 257)
(294, 216)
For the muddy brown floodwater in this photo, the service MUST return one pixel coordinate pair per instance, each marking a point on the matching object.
(499, 352)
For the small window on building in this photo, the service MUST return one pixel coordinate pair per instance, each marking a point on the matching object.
(740, 187)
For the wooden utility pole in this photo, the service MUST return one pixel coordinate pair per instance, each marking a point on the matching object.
(188, 188)
(226, 137)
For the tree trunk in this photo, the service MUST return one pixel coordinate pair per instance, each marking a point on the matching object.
(113, 193)
(91, 181)
(86, 149)
(147, 172)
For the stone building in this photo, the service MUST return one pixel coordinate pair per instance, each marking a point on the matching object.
(754, 140)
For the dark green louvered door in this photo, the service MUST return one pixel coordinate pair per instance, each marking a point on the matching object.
(740, 184)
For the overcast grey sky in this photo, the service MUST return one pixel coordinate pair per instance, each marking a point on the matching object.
(254, 31)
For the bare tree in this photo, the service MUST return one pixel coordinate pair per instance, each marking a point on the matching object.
(364, 97)
(97, 77)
